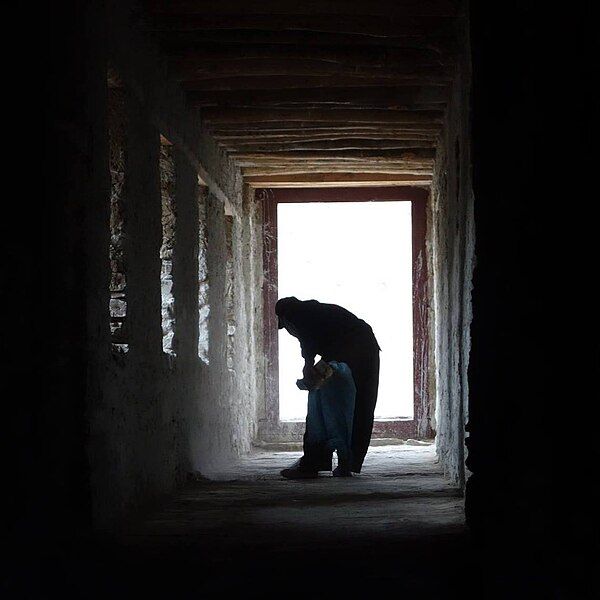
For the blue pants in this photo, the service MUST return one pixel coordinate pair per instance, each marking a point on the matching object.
(331, 413)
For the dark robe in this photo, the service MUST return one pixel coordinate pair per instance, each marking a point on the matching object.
(336, 334)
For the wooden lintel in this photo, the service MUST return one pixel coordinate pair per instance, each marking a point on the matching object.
(337, 179)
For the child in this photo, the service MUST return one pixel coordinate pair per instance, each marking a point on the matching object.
(330, 412)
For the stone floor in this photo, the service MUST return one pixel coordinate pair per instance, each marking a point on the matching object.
(397, 527)
(401, 492)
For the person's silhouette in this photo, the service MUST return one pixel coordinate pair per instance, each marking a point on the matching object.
(336, 335)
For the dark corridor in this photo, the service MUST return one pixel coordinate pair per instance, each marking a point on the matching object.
(161, 120)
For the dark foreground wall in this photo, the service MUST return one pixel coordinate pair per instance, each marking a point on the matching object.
(106, 433)
(526, 370)
(51, 271)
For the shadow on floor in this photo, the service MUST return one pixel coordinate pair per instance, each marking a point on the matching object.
(396, 528)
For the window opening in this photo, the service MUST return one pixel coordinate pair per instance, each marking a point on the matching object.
(203, 284)
(168, 220)
(116, 250)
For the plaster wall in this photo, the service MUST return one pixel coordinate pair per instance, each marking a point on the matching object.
(248, 361)
(452, 259)
(223, 420)
(153, 417)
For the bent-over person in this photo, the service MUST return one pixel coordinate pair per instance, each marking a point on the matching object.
(337, 336)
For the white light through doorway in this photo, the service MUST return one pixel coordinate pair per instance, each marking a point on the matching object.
(357, 255)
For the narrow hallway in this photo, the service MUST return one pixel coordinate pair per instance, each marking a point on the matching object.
(250, 531)
(143, 331)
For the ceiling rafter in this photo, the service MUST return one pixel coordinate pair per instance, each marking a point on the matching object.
(327, 92)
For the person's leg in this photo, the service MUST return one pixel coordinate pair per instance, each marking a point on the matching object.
(317, 454)
(315, 442)
(315, 436)
(337, 406)
(366, 377)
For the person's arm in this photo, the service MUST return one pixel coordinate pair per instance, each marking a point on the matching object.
(308, 354)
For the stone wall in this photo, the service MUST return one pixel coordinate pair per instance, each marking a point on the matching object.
(190, 238)
(168, 185)
(203, 280)
(224, 421)
(118, 266)
(452, 258)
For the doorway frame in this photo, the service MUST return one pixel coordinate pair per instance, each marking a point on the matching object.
(270, 428)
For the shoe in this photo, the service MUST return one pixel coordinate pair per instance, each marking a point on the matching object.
(299, 473)
(339, 472)
(301, 463)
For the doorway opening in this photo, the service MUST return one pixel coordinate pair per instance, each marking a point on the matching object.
(363, 249)
(357, 255)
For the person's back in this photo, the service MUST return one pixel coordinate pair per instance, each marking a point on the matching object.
(324, 329)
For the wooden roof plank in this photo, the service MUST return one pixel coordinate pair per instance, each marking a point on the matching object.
(258, 115)
(363, 25)
(314, 179)
(287, 82)
(389, 97)
(384, 8)
(325, 145)
(192, 70)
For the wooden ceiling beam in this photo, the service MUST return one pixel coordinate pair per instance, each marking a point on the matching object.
(287, 82)
(390, 97)
(308, 137)
(345, 183)
(175, 41)
(328, 145)
(383, 8)
(294, 170)
(253, 130)
(335, 179)
(349, 163)
(198, 69)
(355, 164)
(325, 106)
(307, 128)
(322, 92)
(356, 157)
(261, 116)
(255, 172)
(375, 56)
(365, 25)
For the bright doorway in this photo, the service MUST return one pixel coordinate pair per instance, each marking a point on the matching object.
(357, 255)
